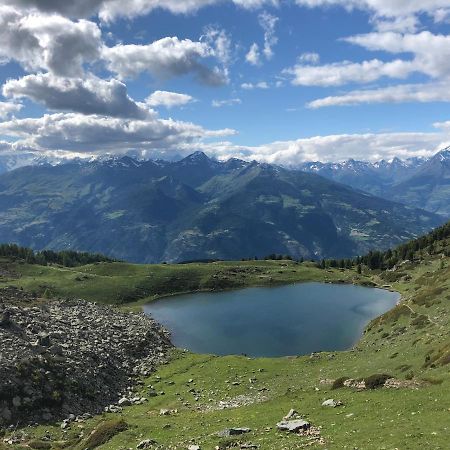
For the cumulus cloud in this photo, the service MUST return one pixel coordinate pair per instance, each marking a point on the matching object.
(165, 58)
(401, 24)
(168, 99)
(370, 146)
(229, 102)
(7, 109)
(49, 42)
(421, 92)
(91, 95)
(81, 133)
(109, 10)
(430, 56)
(431, 52)
(388, 8)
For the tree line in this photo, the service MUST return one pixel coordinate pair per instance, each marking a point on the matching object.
(66, 258)
(383, 260)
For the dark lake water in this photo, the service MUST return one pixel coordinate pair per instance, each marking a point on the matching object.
(280, 321)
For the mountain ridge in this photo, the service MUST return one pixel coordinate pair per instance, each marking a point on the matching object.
(197, 208)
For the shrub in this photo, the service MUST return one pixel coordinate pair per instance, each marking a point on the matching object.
(104, 433)
(376, 380)
(339, 383)
(420, 321)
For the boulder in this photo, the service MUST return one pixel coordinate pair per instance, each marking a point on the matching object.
(293, 426)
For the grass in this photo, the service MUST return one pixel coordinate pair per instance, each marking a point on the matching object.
(123, 283)
(410, 343)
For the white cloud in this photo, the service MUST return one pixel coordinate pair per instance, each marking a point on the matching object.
(220, 42)
(401, 24)
(81, 133)
(259, 85)
(165, 58)
(369, 146)
(7, 109)
(309, 57)
(168, 99)
(109, 10)
(229, 102)
(253, 56)
(430, 55)
(48, 42)
(431, 52)
(421, 92)
(268, 22)
(91, 95)
(341, 73)
(388, 8)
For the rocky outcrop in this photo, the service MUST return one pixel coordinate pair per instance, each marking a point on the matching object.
(70, 357)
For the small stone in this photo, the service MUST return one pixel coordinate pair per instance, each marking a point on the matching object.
(147, 443)
(331, 403)
(124, 402)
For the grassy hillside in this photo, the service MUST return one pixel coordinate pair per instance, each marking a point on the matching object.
(122, 283)
(410, 343)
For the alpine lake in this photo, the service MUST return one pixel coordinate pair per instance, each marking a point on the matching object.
(287, 320)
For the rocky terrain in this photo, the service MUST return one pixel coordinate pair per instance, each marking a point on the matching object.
(64, 358)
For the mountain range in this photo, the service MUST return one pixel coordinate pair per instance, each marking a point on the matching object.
(418, 182)
(197, 208)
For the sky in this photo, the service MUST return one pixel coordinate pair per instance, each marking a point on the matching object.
(280, 81)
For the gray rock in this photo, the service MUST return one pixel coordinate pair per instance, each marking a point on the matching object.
(147, 443)
(293, 426)
(124, 402)
(331, 403)
(100, 350)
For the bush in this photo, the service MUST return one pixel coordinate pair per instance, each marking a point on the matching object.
(339, 383)
(376, 380)
(104, 433)
(420, 321)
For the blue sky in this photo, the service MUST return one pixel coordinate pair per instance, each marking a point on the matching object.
(279, 81)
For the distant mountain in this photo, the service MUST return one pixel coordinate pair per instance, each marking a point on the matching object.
(11, 161)
(196, 208)
(428, 187)
(375, 178)
(418, 182)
